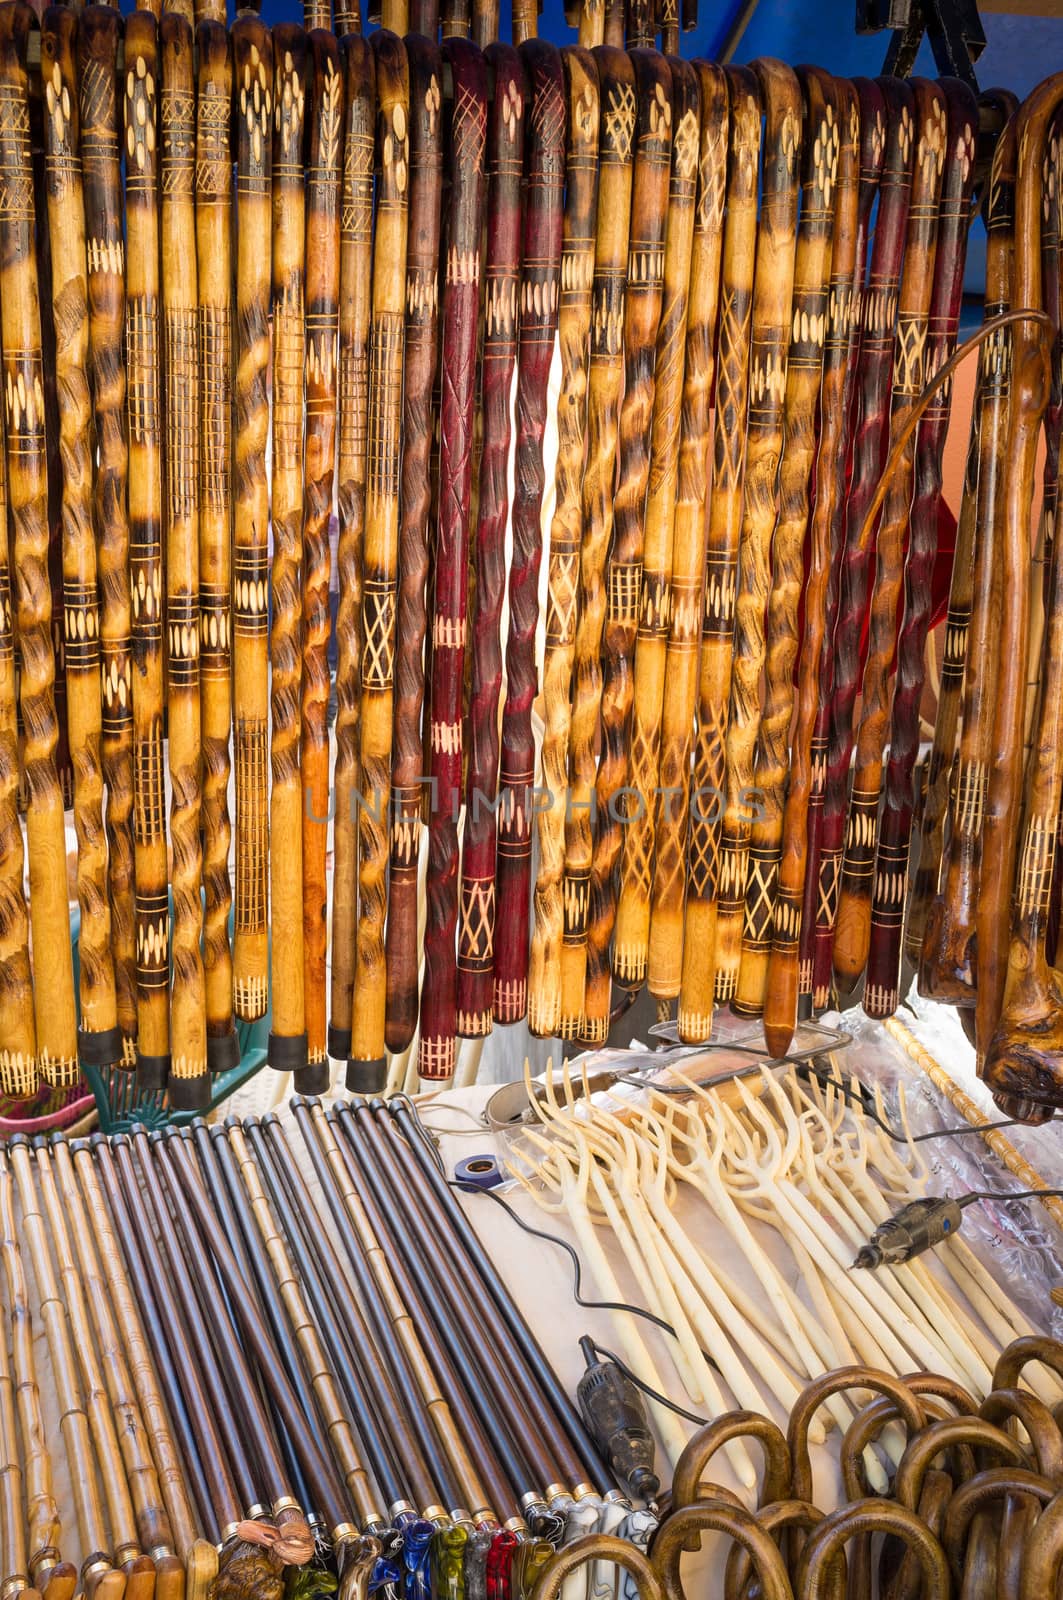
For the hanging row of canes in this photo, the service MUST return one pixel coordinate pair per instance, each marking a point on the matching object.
(354, 258)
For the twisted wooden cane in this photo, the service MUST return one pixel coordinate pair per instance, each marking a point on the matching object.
(380, 555)
(355, 301)
(779, 988)
(891, 861)
(697, 980)
(322, 310)
(476, 930)
(651, 645)
(574, 340)
(664, 963)
(189, 1082)
(539, 290)
(468, 132)
(288, 803)
(617, 95)
(214, 261)
(53, 994)
(869, 449)
(768, 359)
(97, 63)
(823, 131)
(623, 574)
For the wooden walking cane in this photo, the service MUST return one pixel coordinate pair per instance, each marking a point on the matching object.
(657, 116)
(253, 90)
(289, 797)
(322, 310)
(476, 928)
(539, 290)
(768, 357)
(422, 355)
(779, 988)
(97, 67)
(143, 318)
(664, 951)
(914, 307)
(461, 300)
(380, 556)
(724, 520)
(654, 610)
(189, 1081)
(869, 450)
(574, 337)
(891, 861)
(214, 262)
(53, 990)
(355, 295)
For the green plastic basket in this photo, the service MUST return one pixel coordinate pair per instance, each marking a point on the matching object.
(120, 1104)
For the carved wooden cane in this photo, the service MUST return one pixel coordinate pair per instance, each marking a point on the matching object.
(347, 15)
(189, 1082)
(824, 129)
(424, 18)
(891, 861)
(505, 148)
(524, 20)
(214, 260)
(288, 801)
(461, 298)
(97, 56)
(539, 290)
(946, 965)
(697, 980)
(380, 556)
(617, 93)
(56, 1021)
(869, 449)
(422, 352)
(636, 877)
(574, 337)
(355, 300)
(641, 24)
(768, 356)
(456, 19)
(780, 983)
(852, 928)
(322, 311)
(99, 1038)
(664, 963)
(253, 88)
(847, 299)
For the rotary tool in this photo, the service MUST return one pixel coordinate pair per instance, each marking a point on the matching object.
(613, 1411)
(922, 1224)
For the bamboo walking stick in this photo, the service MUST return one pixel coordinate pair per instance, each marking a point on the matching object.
(724, 520)
(891, 860)
(355, 297)
(651, 642)
(289, 798)
(664, 949)
(214, 262)
(380, 556)
(189, 1081)
(768, 358)
(422, 354)
(779, 988)
(623, 575)
(460, 308)
(574, 340)
(827, 122)
(253, 87)
(14, 1574)
(317, 14)
(617, 98)
(20, 327)
(322, 329)
(97, 62)
(485, 18)
(476, 929)
(540, 286)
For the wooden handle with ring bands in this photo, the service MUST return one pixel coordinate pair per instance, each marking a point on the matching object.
(574, 335)
(544, 175)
